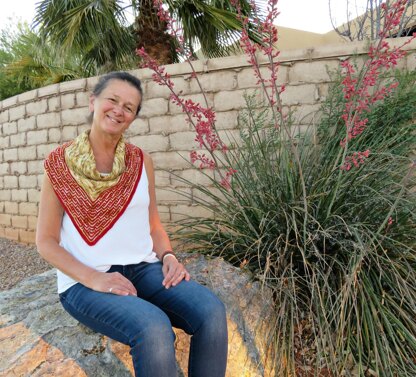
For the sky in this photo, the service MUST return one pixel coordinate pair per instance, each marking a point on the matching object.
(309, 15)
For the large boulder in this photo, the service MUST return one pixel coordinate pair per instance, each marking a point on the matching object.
(38, 338)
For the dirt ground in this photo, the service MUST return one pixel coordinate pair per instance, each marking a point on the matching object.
(17, 262)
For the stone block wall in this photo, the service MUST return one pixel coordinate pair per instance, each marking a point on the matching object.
(35, 122)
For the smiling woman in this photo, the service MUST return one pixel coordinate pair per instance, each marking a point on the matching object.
(98, 224)
(113, 107)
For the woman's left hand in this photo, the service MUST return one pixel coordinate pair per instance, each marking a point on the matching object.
(174, 272)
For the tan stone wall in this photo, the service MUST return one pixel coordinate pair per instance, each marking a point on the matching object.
(35, 122)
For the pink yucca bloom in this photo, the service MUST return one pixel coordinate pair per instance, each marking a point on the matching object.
(267, 49)
(201, 118)
(356, 159)
(361, 92)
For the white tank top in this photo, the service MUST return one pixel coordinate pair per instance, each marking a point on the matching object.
(127, 242)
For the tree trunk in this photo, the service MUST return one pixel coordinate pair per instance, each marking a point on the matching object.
(151, 33)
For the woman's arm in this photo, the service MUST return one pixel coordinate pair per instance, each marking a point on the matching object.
(47, 241)
(173, 271)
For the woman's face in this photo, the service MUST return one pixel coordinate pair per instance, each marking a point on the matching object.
(114, 109)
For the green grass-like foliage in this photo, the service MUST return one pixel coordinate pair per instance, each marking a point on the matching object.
(343, 275)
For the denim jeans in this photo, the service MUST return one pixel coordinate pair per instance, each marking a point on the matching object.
(145, 322)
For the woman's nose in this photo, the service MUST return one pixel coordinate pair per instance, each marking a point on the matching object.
(118, 109)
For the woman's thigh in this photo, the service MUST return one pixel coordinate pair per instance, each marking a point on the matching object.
(187, 305)
(119, 317)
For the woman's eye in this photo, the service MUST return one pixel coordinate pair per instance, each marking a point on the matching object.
(111, 100)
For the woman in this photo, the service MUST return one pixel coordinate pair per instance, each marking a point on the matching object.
(99, 226)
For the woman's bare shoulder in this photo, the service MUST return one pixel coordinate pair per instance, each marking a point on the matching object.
(148, 161)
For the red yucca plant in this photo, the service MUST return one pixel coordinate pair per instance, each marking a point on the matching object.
(329, 228)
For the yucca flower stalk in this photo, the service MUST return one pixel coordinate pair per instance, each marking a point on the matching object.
(361, 89)
(328, 227)
(201, 117)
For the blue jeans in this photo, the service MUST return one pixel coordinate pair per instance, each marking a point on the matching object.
(145, 322)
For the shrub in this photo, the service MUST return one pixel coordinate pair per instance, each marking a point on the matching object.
(328, 226)
(342, 273)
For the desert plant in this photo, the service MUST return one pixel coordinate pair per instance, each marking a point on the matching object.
(344, 291)
(328, 226)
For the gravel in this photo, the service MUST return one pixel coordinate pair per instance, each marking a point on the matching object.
(17, 262)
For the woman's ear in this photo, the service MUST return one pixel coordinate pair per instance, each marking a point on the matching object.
(91, 103)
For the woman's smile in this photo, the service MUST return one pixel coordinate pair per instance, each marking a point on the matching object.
(114, 109)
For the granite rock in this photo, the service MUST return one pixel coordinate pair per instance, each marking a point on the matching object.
(38, 338)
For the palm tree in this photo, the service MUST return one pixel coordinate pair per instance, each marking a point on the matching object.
(26, 63)
(100, 29)
(96, 29)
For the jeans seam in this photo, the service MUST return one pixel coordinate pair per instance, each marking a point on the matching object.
(190, 361)
(181, 317)
(190, 374)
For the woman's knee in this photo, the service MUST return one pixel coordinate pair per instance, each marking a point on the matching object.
(153, 349)
(213, 317)
(156, 334)
(217, 310)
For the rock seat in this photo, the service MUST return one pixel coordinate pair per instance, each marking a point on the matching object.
(38, 338)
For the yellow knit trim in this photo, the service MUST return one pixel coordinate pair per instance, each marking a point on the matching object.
(80, 160)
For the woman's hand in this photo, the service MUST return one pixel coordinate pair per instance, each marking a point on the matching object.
(173, 271)
(111, 282)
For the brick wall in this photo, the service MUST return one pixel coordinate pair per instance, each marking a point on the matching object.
(35, 122)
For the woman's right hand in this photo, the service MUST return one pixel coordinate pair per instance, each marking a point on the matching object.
(112, 283)
(48, 243)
